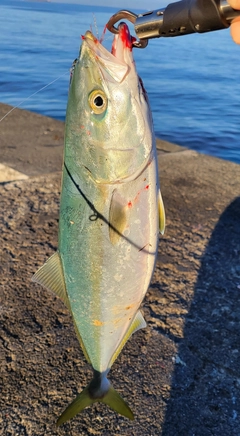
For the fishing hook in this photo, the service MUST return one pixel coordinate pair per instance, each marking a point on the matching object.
(130, 16)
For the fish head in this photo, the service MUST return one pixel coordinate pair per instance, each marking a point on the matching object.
(108, 115)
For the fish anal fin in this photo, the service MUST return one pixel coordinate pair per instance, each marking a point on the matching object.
(138, 323)
(161, 210)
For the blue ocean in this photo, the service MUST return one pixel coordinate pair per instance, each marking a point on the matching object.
(193, 81)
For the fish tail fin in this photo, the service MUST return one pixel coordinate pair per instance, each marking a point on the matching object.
(116, 402)
(96, 393)
(81, 401)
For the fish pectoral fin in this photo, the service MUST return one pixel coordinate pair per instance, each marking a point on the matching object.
(85, 399)
(161, 211)
(51, 277)
(138, 323)
(117, 217)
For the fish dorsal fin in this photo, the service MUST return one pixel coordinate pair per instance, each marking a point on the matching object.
(51, 277)
(138, 323)
(161, 210)
(117, 217)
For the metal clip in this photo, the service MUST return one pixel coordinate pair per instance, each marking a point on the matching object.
(130, 16)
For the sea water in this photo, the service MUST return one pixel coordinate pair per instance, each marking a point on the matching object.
(193, 81)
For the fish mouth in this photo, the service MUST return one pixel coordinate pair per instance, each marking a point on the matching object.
(122, 43)
(115, 65)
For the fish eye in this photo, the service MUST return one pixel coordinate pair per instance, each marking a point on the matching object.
(97, 101)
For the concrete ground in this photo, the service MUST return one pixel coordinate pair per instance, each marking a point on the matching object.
(181, 375)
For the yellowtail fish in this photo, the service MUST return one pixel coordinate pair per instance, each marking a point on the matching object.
(110, 212)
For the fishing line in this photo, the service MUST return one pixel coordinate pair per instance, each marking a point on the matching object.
(95, 25)
(36, 92)
(97, 215)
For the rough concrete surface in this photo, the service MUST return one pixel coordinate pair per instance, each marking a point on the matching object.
(181, 375)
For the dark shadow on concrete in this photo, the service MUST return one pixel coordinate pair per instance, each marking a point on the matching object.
(205, 393)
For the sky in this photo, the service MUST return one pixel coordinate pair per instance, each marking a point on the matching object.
(122, 4)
